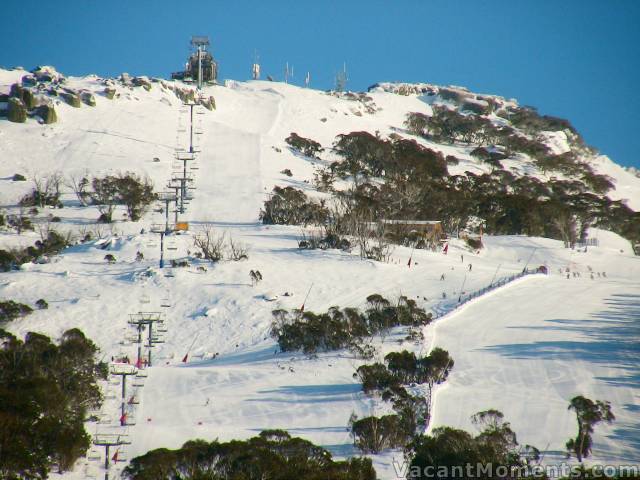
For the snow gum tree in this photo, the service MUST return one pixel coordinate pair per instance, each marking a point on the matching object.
(588, 414)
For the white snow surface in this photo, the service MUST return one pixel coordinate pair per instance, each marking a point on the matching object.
(525, 349)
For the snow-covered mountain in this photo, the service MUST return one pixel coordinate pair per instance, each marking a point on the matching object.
(524, 349)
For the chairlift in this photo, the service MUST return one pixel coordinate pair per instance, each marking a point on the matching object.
(94, 455)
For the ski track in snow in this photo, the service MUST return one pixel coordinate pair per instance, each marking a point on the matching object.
(525, 349)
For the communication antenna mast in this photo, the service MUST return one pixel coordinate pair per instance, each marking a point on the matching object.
(200, 42)
(341, 79)
(255, 68)
(307, 80)
(286, 73)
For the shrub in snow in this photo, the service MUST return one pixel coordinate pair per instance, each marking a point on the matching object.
(289, 206)
(10, 310)
(342, 328)
(475, 107)
(531, 122)
(179, 263)
(306, 146)
(19, 222)
(128, 189)
(135, 192)
(237, 250)
(18, 178)
(46, 191)
(109, 258)
(210, 245)
(452, 95)
(287, 172)
(42, 304)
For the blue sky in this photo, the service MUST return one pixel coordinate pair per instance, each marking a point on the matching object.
(577, 59)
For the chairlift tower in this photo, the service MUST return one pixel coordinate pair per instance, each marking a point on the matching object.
(167, 198)
(185, 158)
(123, 370)
(140, 321)
(108, 440)
(162, 230)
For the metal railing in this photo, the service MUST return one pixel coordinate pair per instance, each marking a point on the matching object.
(466, 297)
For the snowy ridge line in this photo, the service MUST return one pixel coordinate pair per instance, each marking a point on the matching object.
(471, 298)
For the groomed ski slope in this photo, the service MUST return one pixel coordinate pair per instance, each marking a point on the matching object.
(525, 349)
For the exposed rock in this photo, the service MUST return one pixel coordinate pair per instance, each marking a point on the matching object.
(72, 99)
(142, 82)
(47, 74)
(125, 78)
(16, 111)
(209, 103)
(47, 113)
(88, 98)
(109, 92)
(29, 80)
(187, 95)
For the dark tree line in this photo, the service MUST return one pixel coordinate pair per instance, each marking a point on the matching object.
(448, 450)
(273, 455)
(416, 185)
(46, 392)
(337, 328)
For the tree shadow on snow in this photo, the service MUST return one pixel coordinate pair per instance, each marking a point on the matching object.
(611, 339)
(298, 394)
